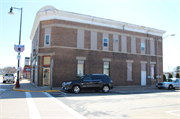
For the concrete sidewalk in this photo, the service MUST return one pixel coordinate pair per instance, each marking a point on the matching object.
(27, 86)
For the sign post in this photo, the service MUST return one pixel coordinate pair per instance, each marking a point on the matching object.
(18, 48)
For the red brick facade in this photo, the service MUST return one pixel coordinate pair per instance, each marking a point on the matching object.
(64, 52)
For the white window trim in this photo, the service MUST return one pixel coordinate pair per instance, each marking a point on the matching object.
(107, 42)
(144, 47)
(45, 40)
(106, 63)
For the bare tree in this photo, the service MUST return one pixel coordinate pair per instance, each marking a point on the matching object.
(9, 70)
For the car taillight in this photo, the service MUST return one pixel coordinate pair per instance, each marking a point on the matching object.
(3, 77)
(14, 78)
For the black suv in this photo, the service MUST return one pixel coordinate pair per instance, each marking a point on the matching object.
(95, 82)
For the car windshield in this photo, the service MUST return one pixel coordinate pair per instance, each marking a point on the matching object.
(80, 77)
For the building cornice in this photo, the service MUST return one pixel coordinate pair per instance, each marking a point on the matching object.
(49, 13)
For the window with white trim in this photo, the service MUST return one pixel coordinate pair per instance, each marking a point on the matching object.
(105, 42)
(80, 68)
(129, 70)
(47, 40)
(116, 40)
(142, 46)
(152, 72)
(106, 68)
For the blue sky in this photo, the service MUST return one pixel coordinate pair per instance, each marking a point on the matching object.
(160, 14)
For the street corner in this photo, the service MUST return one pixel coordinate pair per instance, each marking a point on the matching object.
(24, 90)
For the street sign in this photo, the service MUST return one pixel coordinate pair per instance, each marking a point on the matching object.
(18, 57)
(19, 48)
(18, 69)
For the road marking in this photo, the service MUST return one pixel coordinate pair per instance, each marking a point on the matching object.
(172, 112)
(33, 111)
(71, 111)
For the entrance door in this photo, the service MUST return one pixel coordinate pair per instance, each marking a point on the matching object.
(143, 78)
(46, 77)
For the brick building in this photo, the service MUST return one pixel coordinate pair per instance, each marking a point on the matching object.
(66, 45)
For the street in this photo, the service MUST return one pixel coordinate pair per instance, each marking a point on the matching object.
(161, 105)
(155, 104)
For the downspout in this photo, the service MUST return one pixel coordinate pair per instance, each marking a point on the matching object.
(148, 57)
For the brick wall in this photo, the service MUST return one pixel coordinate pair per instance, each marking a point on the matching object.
(65, 63)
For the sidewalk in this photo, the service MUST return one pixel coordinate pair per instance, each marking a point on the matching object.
(27, 86)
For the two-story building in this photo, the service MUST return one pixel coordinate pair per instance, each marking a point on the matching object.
(66, 45)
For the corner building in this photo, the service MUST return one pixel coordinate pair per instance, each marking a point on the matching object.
(66, 45)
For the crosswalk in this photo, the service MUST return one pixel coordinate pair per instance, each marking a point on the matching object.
(34, 105)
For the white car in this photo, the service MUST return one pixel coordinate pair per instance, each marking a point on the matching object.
(170, 83)
(9, 77)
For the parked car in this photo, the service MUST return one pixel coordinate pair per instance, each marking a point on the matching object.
(95, 82)
(170, 83)
(9, 77)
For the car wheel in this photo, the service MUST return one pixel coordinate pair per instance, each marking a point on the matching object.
(76, 89)
(170, 87)
(159, 88)
(105, 89)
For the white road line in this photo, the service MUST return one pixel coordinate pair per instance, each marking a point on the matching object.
(71, 111)
(171, 112)
(33, 111)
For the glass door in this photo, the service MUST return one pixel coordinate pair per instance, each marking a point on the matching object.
(46, 77)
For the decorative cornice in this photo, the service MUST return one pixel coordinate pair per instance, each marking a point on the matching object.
(50, 12)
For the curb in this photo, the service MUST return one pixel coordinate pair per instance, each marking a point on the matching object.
(22, 90)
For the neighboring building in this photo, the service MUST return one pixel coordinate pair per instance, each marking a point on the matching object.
(27, 68)
(26, 72)
(66, 45)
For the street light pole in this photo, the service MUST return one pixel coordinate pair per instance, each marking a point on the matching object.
(10, 12)
(157, 68)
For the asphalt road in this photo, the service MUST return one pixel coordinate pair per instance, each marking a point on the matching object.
(5, 87)
(130, 104)
(164, 104)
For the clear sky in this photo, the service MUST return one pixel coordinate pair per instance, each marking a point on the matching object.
(160, 14)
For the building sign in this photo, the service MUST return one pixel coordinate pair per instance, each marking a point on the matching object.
(46, 61)
(19, 48)
(27, 69)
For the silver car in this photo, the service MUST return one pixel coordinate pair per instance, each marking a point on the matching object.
(170, 83)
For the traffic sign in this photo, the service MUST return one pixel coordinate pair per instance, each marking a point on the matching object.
(18, 57)
(19, 48)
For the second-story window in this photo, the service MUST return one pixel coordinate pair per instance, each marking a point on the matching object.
(105, 42)
(116, 40)
(142, 46)
(47, 39)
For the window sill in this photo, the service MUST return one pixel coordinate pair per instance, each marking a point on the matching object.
(129, 79)
(47, 45)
